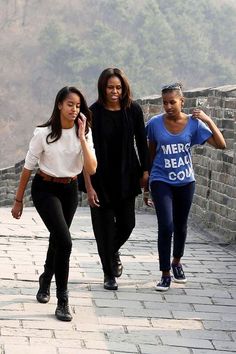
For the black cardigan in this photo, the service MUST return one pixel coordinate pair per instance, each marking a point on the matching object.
(132, 166)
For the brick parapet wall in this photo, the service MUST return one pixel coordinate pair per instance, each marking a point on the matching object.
(214, 205)
(9, 178)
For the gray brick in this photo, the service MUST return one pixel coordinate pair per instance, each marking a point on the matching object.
(119, 346)
(205, 351)
(139, 337)
(82, 351)
(218, 325)
(118, 303)
(188, 299)
(203, 334)
(162, 349)
(215, 308)
(196, 315)
(189, 343)
(26, 349)
(176, 324)
(223, 345)
(161, 313)
(214, 293)
(166, 306)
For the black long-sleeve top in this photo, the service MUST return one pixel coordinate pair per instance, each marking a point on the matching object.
(120, 163)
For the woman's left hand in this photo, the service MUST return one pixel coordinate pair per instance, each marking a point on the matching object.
(217, 140)
(199, 114)
(147, 200)
(82, 125)
(144, 179)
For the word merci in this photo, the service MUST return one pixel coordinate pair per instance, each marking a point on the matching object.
(180, 161)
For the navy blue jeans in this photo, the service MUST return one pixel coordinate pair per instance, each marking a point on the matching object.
(172, 204)
(56, 204)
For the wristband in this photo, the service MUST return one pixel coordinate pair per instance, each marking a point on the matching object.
(18, 201)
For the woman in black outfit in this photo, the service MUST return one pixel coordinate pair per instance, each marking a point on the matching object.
(117, 126)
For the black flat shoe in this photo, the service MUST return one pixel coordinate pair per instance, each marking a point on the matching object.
(63, 312)
(117, 265)
(43, 294)
(110, 283)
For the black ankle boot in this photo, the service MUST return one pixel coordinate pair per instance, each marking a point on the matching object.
(62, 311)
(117, 265)
(110, 282)
(43, 294)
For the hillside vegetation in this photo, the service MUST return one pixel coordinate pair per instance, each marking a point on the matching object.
(47, 44)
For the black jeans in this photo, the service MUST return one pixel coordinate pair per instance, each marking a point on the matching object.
(112, 226)
(172, 204)
(56, 203)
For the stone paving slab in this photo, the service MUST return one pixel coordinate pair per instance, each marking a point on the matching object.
(198, 317)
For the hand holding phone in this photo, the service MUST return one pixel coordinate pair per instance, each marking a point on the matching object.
(82, 125)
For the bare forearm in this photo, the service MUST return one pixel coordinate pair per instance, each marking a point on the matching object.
(90, 161)
(91, 193)
(217, 137)
(17, 208)
(217, 140)
(152, 151)
(87, 181)
(24, 179)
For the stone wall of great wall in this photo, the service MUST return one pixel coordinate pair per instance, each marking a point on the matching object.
(214, 206)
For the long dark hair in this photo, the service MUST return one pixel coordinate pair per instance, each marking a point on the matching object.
(55, 121)
(102, 84)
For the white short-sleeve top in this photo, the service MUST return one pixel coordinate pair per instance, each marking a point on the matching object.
(62, 158)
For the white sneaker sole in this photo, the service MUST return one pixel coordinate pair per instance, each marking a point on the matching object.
(157, 288)
(180, 281)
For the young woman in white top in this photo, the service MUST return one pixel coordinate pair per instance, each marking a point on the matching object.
(61, 147)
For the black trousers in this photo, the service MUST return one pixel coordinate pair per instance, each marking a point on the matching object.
(56, 204)
(172, 204)
(112, 226)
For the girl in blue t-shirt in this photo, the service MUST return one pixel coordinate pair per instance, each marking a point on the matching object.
(171, 136)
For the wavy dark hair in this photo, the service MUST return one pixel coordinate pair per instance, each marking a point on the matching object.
(55, 121)
(102, 84)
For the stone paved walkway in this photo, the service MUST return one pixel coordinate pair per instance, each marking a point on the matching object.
(196, 318)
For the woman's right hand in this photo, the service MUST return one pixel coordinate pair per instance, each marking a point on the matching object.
(17, 209)
(82, 126)
(147, 200)
(93, 198)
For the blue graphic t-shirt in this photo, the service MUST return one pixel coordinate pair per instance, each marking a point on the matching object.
(173, 163)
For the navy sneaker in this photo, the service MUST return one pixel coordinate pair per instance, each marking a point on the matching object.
(164, 284)
(178, 273)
